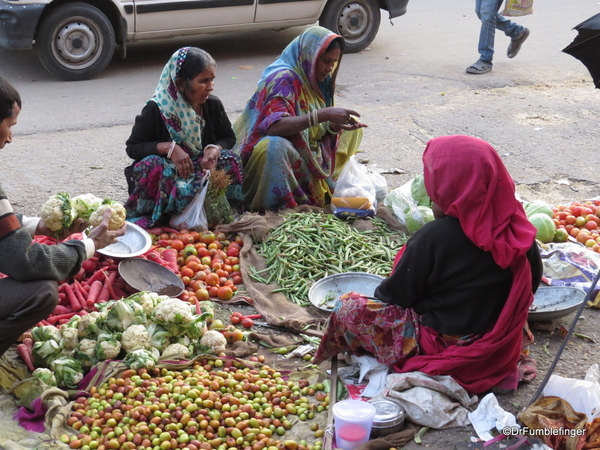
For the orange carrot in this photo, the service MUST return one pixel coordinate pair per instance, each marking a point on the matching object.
(105, 292)
(25, 353)
(73, 300)
(93, 293)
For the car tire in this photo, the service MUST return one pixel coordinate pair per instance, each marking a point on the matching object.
(75, 42)
(357, 21)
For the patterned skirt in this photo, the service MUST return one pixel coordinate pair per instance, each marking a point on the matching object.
(160, 192)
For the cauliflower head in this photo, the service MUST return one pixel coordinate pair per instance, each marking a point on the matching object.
(173, 310)
(108, 349)
(135, 337)
(117, 219)
(46, 375)
(69, 337)
(90, 324)
(88, 346)
(58, 212)
(214, 340)
(173, 350)
(86, 204)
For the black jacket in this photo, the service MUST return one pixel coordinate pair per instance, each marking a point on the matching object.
(456, 287)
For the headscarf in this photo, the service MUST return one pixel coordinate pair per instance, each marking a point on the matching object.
(291, 78)
(184, 125)
(468, 180)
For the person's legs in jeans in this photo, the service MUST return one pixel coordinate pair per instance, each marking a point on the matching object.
(23, 305)
(487, 11)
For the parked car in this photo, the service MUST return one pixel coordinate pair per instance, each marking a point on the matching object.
(75, 40)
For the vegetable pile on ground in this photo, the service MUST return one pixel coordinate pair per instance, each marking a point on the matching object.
(309, 246)
(140, 329)
(213, 404)
(581, 221)
(207, 262)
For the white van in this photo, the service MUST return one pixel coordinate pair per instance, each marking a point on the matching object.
(75, 40)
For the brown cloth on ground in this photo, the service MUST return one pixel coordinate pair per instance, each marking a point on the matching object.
(555, 413)
(241, 349)
(395, 440)
(275, 307)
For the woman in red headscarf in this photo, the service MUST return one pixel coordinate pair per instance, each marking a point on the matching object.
(458, 297)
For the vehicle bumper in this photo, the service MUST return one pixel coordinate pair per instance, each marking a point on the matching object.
(17, 24)
(395, 7)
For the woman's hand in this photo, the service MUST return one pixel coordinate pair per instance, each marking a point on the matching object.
(341, 118)
(182, 162)
(102, 236)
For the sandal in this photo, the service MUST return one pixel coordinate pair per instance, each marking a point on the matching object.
(479, 67)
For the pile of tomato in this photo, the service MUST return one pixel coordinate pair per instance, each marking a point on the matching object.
(580, 220)
(209, 263)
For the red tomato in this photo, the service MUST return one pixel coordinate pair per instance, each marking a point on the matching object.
(213, 291)
(220, 236)
(247, 323)
(224, 293)
(187, 238)
(233, 251)
(576, 210)
(561, 215)
(591, 225)
(212, 279)
(570, 219)
(235, 319)
(177, 244)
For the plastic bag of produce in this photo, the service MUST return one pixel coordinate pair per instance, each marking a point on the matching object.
(379, 182)
(193, 217)
(517, 8)
(409, 211)
(355, 193)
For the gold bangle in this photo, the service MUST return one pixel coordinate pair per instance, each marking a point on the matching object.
(171, 148)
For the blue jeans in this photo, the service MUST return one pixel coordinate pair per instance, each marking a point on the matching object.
(487, 11)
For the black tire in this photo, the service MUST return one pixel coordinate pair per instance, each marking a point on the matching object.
(357, 21)
(75, 42)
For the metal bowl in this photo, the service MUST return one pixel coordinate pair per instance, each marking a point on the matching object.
(553, 302)
(145, 275)
(325, 293)
(135, 242)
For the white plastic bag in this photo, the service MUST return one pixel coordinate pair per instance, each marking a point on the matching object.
(406, 209)
(193, 217)
(354, 194)
(583, 396)
(379, 182)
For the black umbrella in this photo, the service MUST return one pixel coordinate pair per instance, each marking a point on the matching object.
(586, 46)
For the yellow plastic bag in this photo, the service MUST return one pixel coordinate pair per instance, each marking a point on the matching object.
(517, 8)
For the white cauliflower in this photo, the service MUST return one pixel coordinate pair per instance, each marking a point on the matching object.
(69, 337)
(46, 375)
(109, 349)
(173, 350)
(88, 324)
(85, 205)
(174, 310)
(88, 346)
(58, 212)
(117, 219)
(135, 337)
(215, 340)
(148, 300)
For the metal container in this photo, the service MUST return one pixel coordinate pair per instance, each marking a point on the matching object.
(326, 292)
(389, 418)
(553, 302)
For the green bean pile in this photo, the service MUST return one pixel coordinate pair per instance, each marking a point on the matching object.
(309, 246)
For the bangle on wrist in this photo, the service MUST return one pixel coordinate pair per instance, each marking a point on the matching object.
(310, 121)
(315, 116)
(328, 128)
(171, 148)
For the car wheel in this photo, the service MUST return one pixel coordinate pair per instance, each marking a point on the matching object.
(357, 21)
(75, 42)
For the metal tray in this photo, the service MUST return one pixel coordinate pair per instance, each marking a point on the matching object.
(135, 242)
(145, 275)
(553, 302)
(325, 293)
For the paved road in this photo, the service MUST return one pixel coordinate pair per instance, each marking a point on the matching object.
(539, 110)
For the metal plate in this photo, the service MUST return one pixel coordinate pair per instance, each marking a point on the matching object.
(145, 275)
(135, 242)
(325, 293)
(553, 302)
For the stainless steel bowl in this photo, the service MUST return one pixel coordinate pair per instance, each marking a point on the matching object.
(325, 293)
(145, 275)
(553, 302)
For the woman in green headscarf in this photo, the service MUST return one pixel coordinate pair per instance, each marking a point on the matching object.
(292, 141)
